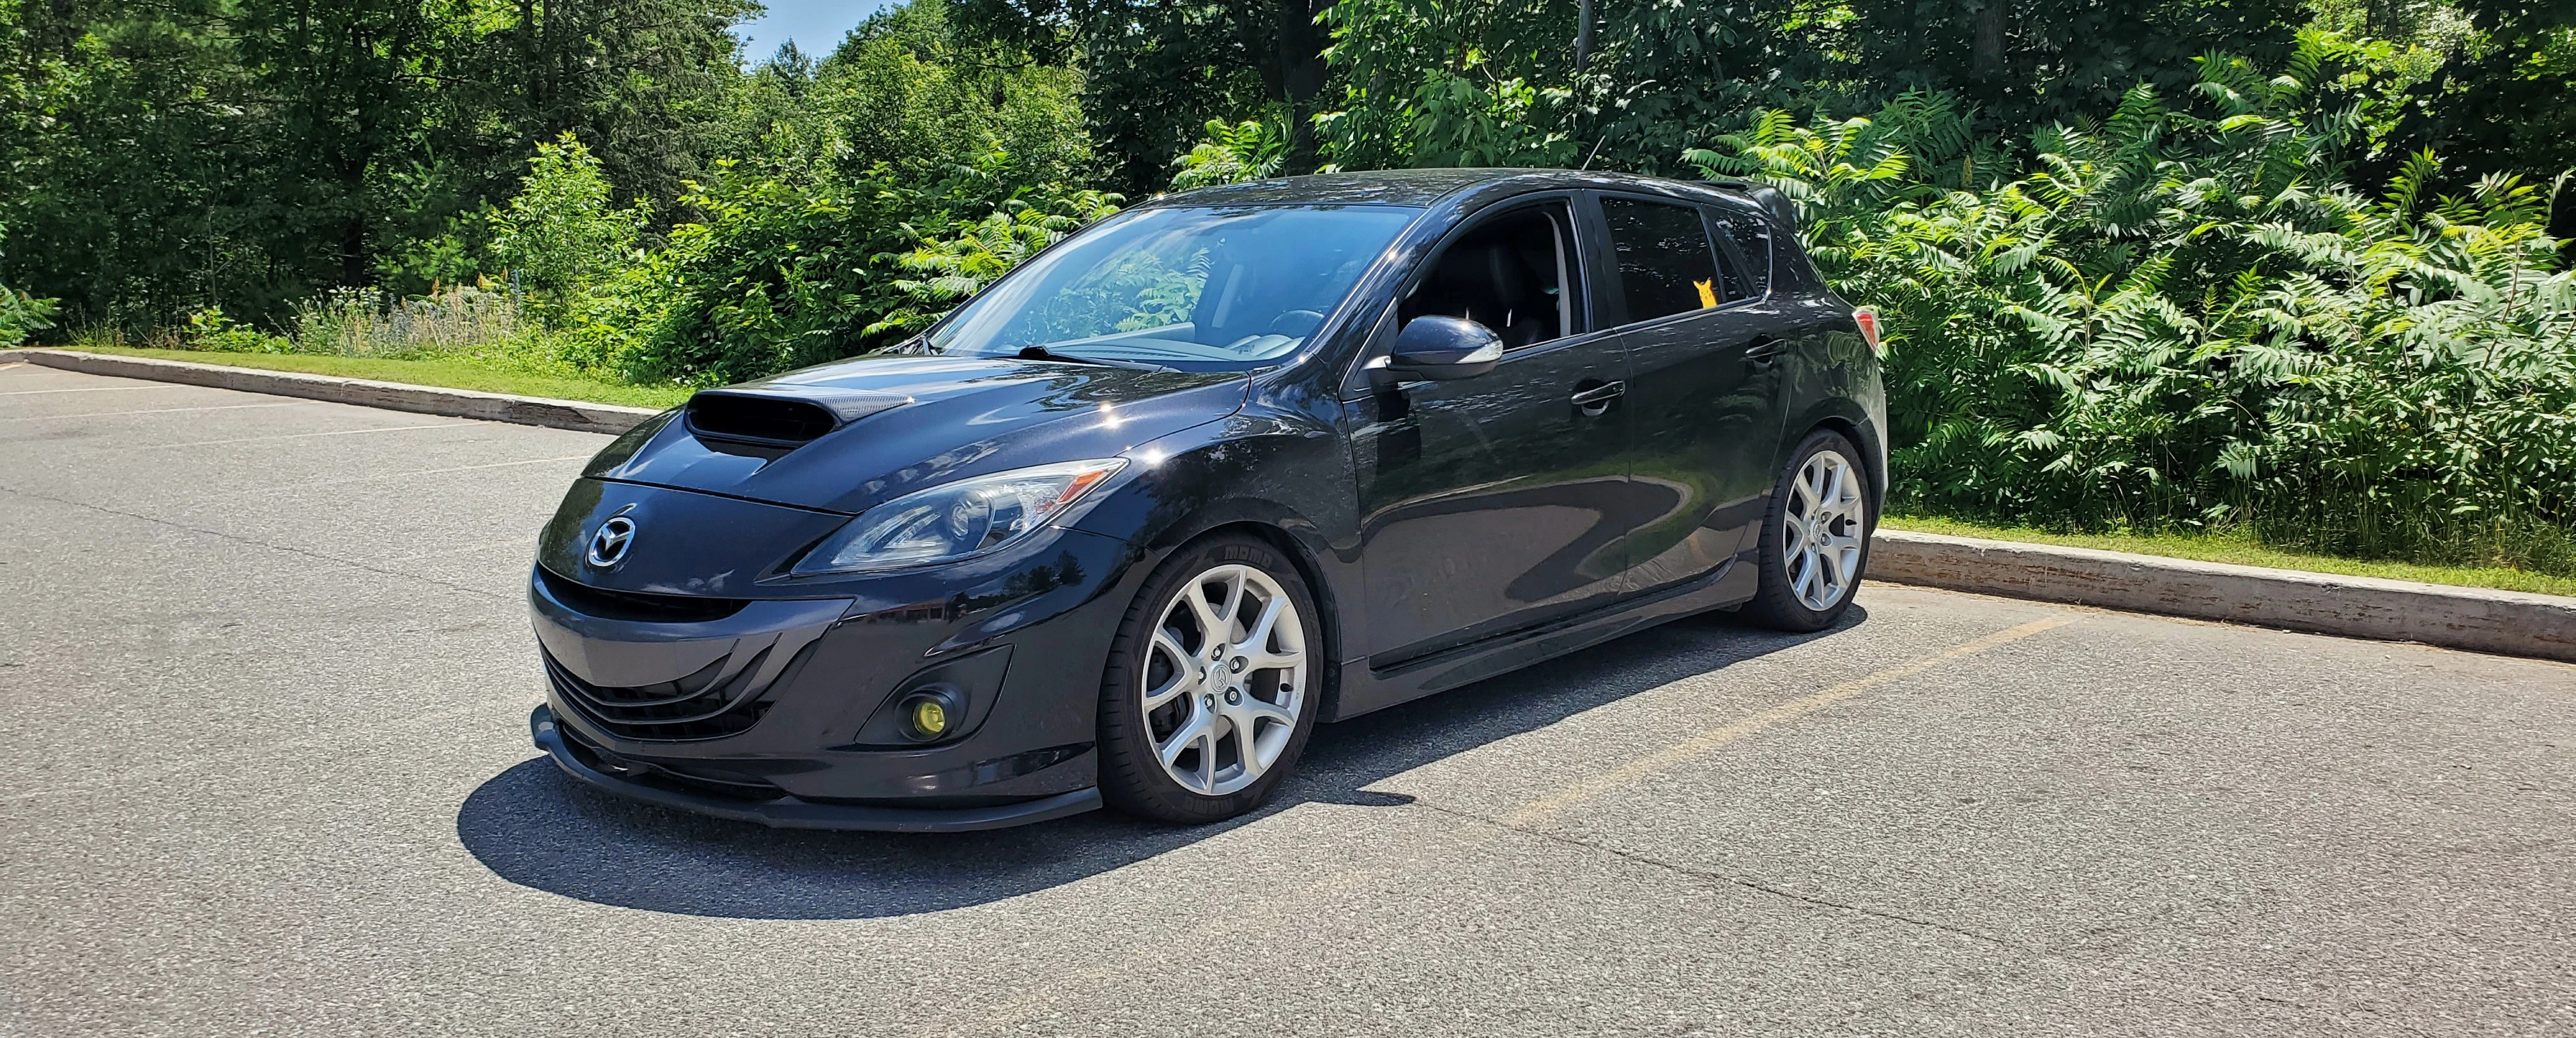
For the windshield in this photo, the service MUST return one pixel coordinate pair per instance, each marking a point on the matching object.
(1195, 289)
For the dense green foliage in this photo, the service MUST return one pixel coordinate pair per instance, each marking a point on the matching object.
(2186, 317)
(21, 313)
(2130, 283)
(248, 153)
(909, 134)
(1156, 70)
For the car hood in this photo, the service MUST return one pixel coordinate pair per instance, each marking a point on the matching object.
(926, 420)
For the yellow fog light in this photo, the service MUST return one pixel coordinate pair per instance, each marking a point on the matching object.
(930, 715)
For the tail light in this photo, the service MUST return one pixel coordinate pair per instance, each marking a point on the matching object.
(1868, 319)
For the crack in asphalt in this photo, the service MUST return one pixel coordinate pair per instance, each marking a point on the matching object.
(1722, 877)
(1714, 876)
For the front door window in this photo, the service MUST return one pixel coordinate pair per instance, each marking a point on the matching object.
(1509, 274)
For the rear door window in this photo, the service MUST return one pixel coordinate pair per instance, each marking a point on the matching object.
(1667, 264)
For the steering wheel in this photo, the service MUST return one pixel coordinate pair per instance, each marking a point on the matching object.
(1296, 324)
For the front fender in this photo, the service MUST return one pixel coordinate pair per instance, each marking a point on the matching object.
(1279, 471)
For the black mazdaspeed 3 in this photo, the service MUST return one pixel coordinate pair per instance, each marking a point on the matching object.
(1127, 525)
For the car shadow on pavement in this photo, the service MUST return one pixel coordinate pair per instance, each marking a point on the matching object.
(536, 827)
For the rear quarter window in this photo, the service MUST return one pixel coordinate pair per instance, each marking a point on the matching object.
(1752, 234)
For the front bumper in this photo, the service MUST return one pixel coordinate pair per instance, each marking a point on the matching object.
(782, 710)
(789, 812)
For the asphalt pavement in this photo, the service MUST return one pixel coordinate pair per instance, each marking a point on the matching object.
(266, 671)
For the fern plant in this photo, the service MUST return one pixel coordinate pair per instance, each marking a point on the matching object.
(951, 268)
(2184, 316)
(21, 313)
(1232, 153)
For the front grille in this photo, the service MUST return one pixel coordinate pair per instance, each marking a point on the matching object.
(632, 606)
(700, 706)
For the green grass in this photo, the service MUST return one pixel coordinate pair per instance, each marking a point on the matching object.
(2237, 549)
(2243, 551)
(450, 374)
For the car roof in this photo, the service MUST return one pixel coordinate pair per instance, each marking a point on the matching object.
(1425, 187)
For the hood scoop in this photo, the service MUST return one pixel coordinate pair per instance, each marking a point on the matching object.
(781, 415)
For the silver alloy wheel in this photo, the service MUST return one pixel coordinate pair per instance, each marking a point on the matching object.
(1224, 679)
(1824, 524)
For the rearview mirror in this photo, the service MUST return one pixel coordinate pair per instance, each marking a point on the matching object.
(1439, 349)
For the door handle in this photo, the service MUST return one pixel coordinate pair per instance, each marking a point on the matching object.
(1597, 399)
(1764, 351)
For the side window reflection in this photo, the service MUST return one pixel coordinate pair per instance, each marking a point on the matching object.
(1752, 234)
(1509, 273)
(1667, 265)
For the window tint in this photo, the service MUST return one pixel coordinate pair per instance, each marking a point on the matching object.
(1752, 234)
(1666, 264)
(1508, 273)
(1199, 288)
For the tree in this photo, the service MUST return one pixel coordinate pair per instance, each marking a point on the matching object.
(562, 230)
(1437, 82)
(247, 153)
(642, 81)
(2508, 102)
(1155, 71)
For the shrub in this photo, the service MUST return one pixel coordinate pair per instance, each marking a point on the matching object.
(211, 329)
(559, 232)
(362, 323)
(21, 313)
(2183, 317)
(949, 270)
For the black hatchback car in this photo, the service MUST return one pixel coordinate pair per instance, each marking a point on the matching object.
(1126, 526)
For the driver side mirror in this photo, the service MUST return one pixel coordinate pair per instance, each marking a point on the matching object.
(1439, 349)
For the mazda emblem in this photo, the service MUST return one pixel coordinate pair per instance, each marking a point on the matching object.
(608, 546)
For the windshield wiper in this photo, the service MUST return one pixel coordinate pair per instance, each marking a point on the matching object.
(1042, 353)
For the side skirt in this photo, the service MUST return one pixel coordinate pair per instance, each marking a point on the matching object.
(1365, 689)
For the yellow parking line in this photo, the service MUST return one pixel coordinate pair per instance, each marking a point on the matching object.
(1594, 786)
(1467, 834)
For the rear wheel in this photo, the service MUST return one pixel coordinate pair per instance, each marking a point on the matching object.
(1211, 684)
(1815, 537)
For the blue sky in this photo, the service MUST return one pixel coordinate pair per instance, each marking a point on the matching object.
(815, 25)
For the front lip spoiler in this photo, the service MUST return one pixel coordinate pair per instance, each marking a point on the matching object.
(788, 812)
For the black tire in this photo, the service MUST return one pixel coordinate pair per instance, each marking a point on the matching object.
(1132, 778)
(1778, 603)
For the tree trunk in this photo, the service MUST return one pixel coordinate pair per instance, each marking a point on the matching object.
(1301, 79)
(1989, 47)
(1582, 35)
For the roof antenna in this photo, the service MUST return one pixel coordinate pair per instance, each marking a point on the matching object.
(1596, 152)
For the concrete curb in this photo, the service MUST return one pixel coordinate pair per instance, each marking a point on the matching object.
(2504, 622)
(576, 415)
(2508, 623)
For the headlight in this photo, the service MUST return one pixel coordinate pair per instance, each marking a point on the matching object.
(956, 520)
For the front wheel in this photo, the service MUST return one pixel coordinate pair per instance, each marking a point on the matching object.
(1211, 686)
(1815, 537)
